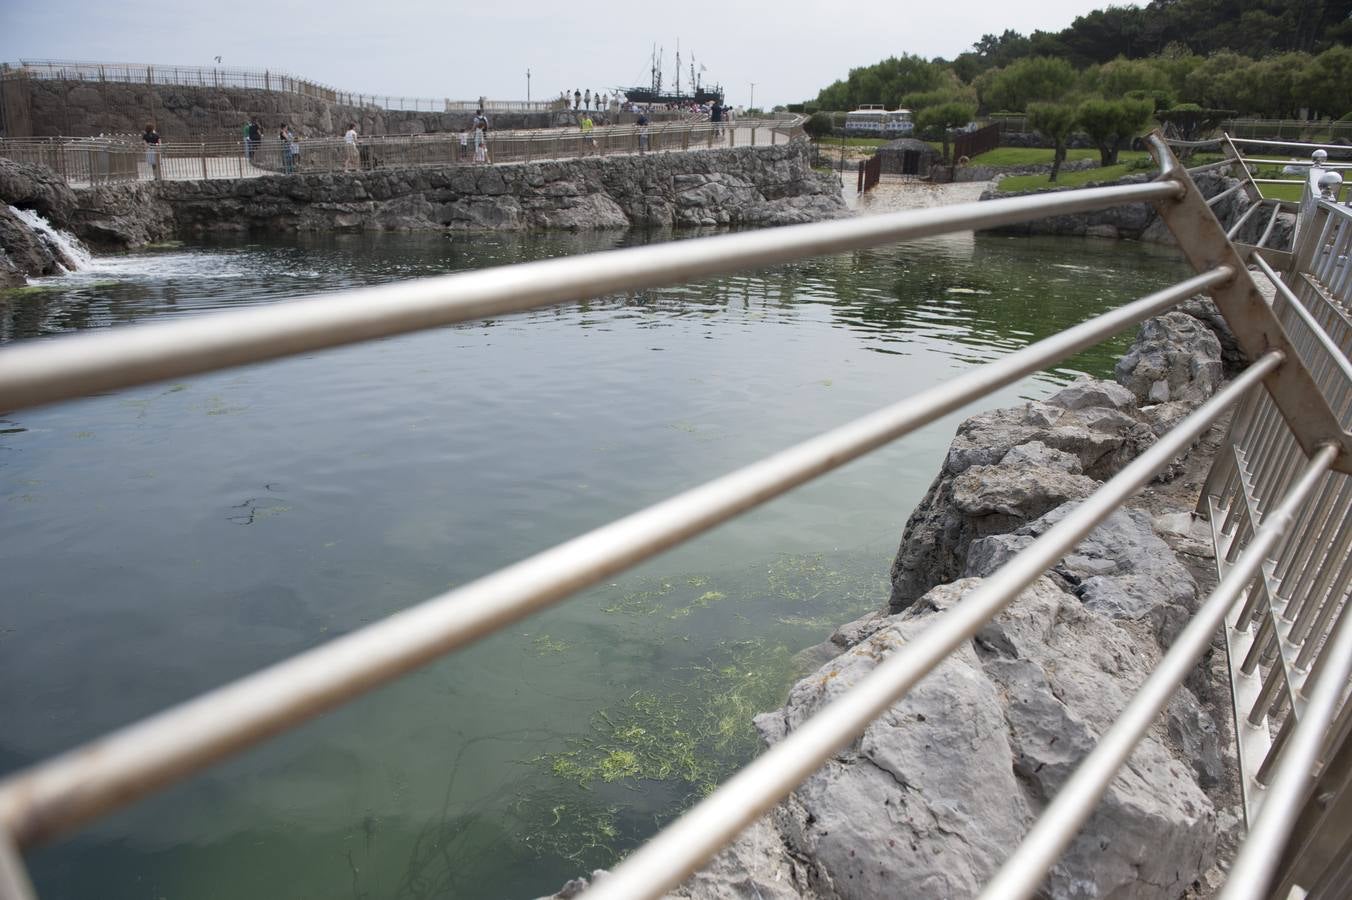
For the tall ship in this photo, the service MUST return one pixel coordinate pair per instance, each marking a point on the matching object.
(654, 93)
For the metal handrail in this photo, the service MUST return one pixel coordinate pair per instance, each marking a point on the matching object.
(99, 361)
(60, 794)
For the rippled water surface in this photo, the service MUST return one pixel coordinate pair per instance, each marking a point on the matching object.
(159, 541)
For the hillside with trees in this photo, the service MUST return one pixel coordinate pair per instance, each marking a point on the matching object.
(1267, 58)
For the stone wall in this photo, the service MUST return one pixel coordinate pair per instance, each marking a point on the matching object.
(743, 187)
(75, 108)
(747, 186)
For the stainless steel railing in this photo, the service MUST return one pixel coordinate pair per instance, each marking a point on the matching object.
(56, 796)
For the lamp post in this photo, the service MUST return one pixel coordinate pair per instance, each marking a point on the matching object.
(752, 104)
(528, 85)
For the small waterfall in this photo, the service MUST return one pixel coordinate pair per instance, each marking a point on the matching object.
(70, 254)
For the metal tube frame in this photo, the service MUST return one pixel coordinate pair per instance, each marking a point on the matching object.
(60, 794)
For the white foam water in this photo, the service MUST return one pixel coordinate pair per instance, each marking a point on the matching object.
(72, 255)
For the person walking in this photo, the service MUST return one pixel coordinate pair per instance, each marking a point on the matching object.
(152, 140)
(642, 131)
(293, 147)
(252, 140)
(481, 138)
(588, 142)
(586, 99)
(351, 156)
(284, 138)
(577, 99)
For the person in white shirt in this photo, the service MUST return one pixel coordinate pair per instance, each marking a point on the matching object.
(351, 156)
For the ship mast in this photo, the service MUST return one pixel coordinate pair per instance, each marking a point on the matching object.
(678, 67)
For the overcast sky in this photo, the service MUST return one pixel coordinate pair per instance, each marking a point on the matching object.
(789, 48)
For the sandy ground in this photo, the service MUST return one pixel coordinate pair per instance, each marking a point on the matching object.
(893, 194)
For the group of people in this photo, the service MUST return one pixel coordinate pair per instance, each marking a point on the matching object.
(583, 100)
(286, 138)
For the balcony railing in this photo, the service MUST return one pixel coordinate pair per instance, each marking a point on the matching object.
(1278, 499)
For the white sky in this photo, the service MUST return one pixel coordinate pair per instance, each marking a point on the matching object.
(789, 48)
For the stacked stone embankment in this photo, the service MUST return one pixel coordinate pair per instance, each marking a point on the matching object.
(749, 186)
(940, 789)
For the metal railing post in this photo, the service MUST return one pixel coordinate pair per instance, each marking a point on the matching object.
(1203, 241)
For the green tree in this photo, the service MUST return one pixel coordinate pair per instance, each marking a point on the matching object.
(818, 125)
(1190, 122)
(1031, 80)
(1326, 84)
(1109, 122)
(1219, 81)
(1123, 76)
(1055, 122)
(943, 117)
(1271, 85)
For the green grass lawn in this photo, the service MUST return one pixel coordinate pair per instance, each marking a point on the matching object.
(1128, 163)
(1282, 191)
(1023, 183)
(1027, 156)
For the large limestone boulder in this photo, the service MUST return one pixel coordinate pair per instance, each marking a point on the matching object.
(24, 252)
(1122, 569)
(37, 188)
(940, 788)
(1174, 357)
(1007, 467)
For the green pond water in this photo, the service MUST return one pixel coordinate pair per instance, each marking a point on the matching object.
(157, 542)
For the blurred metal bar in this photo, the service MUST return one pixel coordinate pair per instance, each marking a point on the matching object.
(44, 372)
(1294, 776)
(55, 796)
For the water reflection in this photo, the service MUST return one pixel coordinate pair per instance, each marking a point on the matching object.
(162, 540)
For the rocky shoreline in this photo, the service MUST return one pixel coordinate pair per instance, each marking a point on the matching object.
(745, 186)
(938, 791)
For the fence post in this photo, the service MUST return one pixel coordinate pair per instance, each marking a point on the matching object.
(204, 162)
(859, 187)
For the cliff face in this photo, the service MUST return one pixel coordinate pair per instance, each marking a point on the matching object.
(747, 186)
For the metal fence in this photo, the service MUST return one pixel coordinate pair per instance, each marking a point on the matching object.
(973, 143)
(1283, 462)
(870, 173)
(85, 162)
(251, 79)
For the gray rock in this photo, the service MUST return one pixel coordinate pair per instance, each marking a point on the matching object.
(1086, 392)
(940, 788)
(1122, 569)
(38, 188)
(1204, 310)
(1174, 357)
(989, 486)
(1196, 737)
